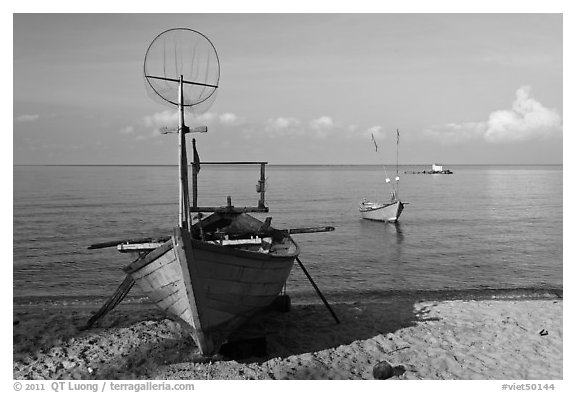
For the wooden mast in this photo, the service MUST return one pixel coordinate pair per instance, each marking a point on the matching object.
(195, 166)
(184, 211)
(397, 177)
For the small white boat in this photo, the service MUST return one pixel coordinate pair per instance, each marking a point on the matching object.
(384, 211)
(388, 212)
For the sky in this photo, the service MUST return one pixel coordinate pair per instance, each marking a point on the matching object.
(297, 89)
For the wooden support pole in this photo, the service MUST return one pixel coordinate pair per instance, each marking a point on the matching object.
(317, 290)
(112, 302)
(262, 185)
(195, 166)
(293, 231)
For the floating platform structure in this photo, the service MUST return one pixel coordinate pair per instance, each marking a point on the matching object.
(437, 169)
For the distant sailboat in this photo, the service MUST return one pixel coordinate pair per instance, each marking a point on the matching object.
(384, 211)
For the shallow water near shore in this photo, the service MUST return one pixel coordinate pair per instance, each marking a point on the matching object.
(481, 228)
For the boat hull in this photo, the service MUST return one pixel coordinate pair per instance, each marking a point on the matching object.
(389, 212)
(210, 288)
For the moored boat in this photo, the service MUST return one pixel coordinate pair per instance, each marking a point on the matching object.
(384, 211)
(389, 212)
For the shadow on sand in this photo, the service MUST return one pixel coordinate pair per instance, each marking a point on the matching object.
(134, 340)
(310, 328)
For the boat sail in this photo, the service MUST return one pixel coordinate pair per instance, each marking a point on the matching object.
(385, 211)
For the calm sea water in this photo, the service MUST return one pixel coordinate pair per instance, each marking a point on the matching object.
(483, 227)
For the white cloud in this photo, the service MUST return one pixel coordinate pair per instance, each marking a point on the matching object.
(527, 119)
(166, 118)
(323, 126)
(321, 123)
(281, 123)
(377, 131)
(169, 119)
(229, 119)
(320, 128)
(211, 118)
(27, 118)
(280, 126)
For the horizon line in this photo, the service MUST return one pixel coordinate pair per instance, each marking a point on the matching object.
(269, 164)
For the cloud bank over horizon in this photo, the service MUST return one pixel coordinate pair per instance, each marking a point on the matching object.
(321, 127)
(527, 119)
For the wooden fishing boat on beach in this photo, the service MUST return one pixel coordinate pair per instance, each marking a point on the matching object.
(214, 285)
(384, 211)
(213, 275)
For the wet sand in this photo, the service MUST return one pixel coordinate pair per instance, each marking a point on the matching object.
(511, 338)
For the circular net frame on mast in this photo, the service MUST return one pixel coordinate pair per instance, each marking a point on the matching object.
(187, 53)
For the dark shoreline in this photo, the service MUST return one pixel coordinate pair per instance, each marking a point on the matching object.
(343, 297)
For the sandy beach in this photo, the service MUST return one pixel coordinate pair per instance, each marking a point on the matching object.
(511, 338)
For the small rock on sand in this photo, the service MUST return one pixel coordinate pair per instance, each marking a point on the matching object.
(383, 370)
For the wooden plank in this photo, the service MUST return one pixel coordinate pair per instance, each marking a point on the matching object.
(137, 246)
(233, 289)
(227, 273)
(209, 317)
(230, 261)
(238, 242)
(293, 231)
(154, 285)
(115, 243)
(164, 298)
(186, 314)
(225, 209)
(175, 304)
(160, 267)
(234, 162)
(186, 260)
(207, 259)
(148, 258)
